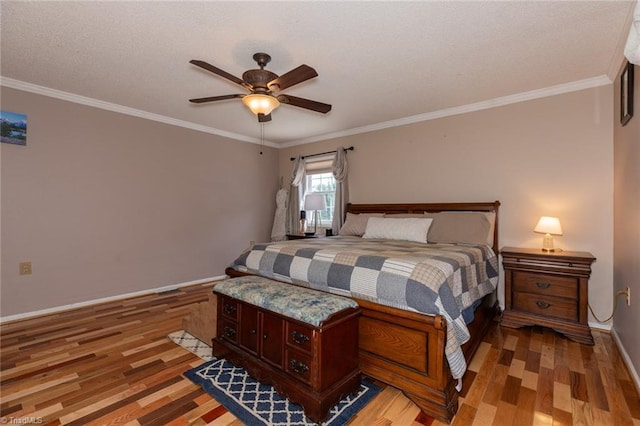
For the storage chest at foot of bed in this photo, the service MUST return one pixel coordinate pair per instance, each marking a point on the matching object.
(309, 356)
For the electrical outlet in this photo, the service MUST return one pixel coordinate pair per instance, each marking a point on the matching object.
(628, 296)
(25, 268)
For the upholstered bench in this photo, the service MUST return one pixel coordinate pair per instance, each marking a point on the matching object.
(302, 341)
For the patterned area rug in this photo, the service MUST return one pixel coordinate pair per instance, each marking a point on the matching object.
(258, 404)
(192, 344)
(254, 403)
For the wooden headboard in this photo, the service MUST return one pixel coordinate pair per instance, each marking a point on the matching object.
(432, 208)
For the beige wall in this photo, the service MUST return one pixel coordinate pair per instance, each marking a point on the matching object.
(106, 204)
(627, 224)
(550, 156)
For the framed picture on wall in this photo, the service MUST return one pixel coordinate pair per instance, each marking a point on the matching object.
(626, 94)
(13, 128)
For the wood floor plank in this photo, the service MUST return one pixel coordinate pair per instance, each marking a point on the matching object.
(525, 407)
(482, 380)
(562, 396)
(496, 385)
(401, 410)
(465, 415)
(530, 380)
(113, 364)
(579, 387)
(478, 359)
(485, 414)
(505, 414)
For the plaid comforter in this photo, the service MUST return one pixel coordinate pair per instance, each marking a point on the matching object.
(429, 278)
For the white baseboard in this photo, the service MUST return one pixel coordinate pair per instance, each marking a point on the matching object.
(107, 299)
(627, 360)
(599, 326)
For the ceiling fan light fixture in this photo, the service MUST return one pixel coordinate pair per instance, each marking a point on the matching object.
(260, 104)
(264, 87)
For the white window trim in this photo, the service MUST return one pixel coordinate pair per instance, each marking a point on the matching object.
(310, 213)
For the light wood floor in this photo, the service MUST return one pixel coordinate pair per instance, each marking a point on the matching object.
(112, 364)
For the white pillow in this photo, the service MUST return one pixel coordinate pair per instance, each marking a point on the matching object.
(409, 229)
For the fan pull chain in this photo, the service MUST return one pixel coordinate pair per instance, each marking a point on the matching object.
(261, 137)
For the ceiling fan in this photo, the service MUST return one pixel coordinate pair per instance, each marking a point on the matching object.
(265, 87)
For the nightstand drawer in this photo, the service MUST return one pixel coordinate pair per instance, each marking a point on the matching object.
(546, 305)
(544, 284)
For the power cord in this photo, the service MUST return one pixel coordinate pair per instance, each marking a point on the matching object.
(615, 306)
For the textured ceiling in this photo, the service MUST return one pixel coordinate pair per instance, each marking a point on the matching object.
(378, 62)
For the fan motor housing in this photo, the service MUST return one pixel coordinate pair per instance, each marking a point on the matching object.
(259, 79)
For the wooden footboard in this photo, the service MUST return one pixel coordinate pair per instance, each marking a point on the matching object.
(406, 350)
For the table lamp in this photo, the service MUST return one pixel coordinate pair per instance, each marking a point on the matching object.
(315, 202)
(548, 226)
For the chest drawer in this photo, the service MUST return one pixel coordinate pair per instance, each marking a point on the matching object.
(547, 306)
(229, 330)
(299, 337)
(544, 284)
(299, 365)
(230, 308)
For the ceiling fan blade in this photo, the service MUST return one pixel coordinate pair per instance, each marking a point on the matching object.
(305, 103)
(221, 73)
(264, 118)
(295, 76)
(215, 98)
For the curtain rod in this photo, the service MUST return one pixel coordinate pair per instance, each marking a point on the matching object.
(322, 153)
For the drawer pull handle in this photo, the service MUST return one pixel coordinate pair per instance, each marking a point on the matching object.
(543, 305)
(543, 285)
(298, 367)
(229, 332)
(229, 309)
(299, 338)
(253, 331)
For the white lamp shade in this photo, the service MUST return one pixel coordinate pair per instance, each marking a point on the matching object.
(315, 202)
(548, 225)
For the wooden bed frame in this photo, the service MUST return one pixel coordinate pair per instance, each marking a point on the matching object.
(406, 349)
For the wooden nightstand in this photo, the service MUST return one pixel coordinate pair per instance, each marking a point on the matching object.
(548, 289)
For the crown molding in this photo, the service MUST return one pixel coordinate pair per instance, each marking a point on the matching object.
(83, 100)
(574, 86)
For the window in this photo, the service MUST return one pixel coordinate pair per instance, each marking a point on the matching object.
(325, 184)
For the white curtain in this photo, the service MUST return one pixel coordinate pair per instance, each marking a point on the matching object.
(293, 211)
(279, 232)
(339, 168)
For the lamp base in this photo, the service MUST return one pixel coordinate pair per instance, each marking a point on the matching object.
(551, 250)
(547, 243)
